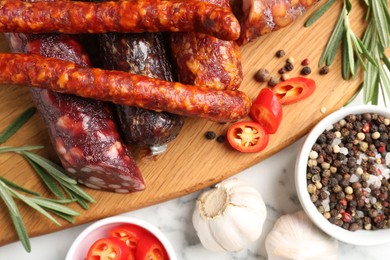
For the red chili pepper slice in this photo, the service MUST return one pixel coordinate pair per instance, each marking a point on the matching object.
(130, 234)
(267, 110)
(111, 248)
(294, 90)
(150, 248)
(141, 242)
(247, 137)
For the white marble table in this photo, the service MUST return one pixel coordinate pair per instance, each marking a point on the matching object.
(274, 179)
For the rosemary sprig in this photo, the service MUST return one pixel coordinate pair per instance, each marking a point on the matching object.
(368, 53)
(65, 189)
(18, 123)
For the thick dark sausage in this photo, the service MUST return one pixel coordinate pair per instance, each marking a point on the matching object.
(143, 54)
(82, 131)
(204, 60)
(123, 88)
(122, 16)
(259, 17)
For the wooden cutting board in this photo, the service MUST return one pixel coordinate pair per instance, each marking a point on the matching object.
(192, 162)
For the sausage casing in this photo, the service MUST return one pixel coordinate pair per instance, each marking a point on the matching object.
(260, 17)
(74, 17)
(204, 60)
(143, 54)
(82, 131)
(123, 88)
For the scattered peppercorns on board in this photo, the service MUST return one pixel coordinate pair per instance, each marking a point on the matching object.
(348, 172)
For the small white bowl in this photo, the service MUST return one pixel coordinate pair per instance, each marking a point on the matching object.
(360, 237)
(100, 229)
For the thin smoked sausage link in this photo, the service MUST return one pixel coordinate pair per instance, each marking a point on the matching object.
(123, 88)
(118, 16)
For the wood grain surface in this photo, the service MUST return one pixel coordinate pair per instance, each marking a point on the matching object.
(192, 162)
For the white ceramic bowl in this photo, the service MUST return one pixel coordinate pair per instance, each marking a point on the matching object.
(360, 237)
(100, 229)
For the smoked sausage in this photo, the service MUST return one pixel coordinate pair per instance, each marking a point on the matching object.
(118, 16)
(82, 131)
(143, 54)
(123, 88)
(204, 60)
(260, 17)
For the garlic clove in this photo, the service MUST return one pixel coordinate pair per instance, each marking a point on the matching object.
(207, 238)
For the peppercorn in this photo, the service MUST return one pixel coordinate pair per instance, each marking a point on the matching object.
(262, 75)
(273, 81)
(280, 53)
(285, 77)
(306, 71)
(324, 70)
(221, 139)
(210, 135)
(282, 71)
(305, 62)
(289, 66)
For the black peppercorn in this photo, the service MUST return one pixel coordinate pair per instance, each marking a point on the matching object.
(289, 66)
(280, 53)
(210, 135)
(221, 139)
(324, 70)
(262, 75)
(306, 70)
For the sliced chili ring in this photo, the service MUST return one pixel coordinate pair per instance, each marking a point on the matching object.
(247, 137)
(294, 90)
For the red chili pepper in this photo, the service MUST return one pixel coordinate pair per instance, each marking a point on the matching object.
(111, 248)
(267, 110)
(294, 90)
(247, 137)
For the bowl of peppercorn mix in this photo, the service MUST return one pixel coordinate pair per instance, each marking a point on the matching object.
(342, 175)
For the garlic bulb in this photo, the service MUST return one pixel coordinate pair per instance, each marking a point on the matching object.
(294, 237)
(229, 216)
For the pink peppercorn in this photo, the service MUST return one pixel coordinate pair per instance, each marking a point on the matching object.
(305, 62)
(366, 128)
(346, 217)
